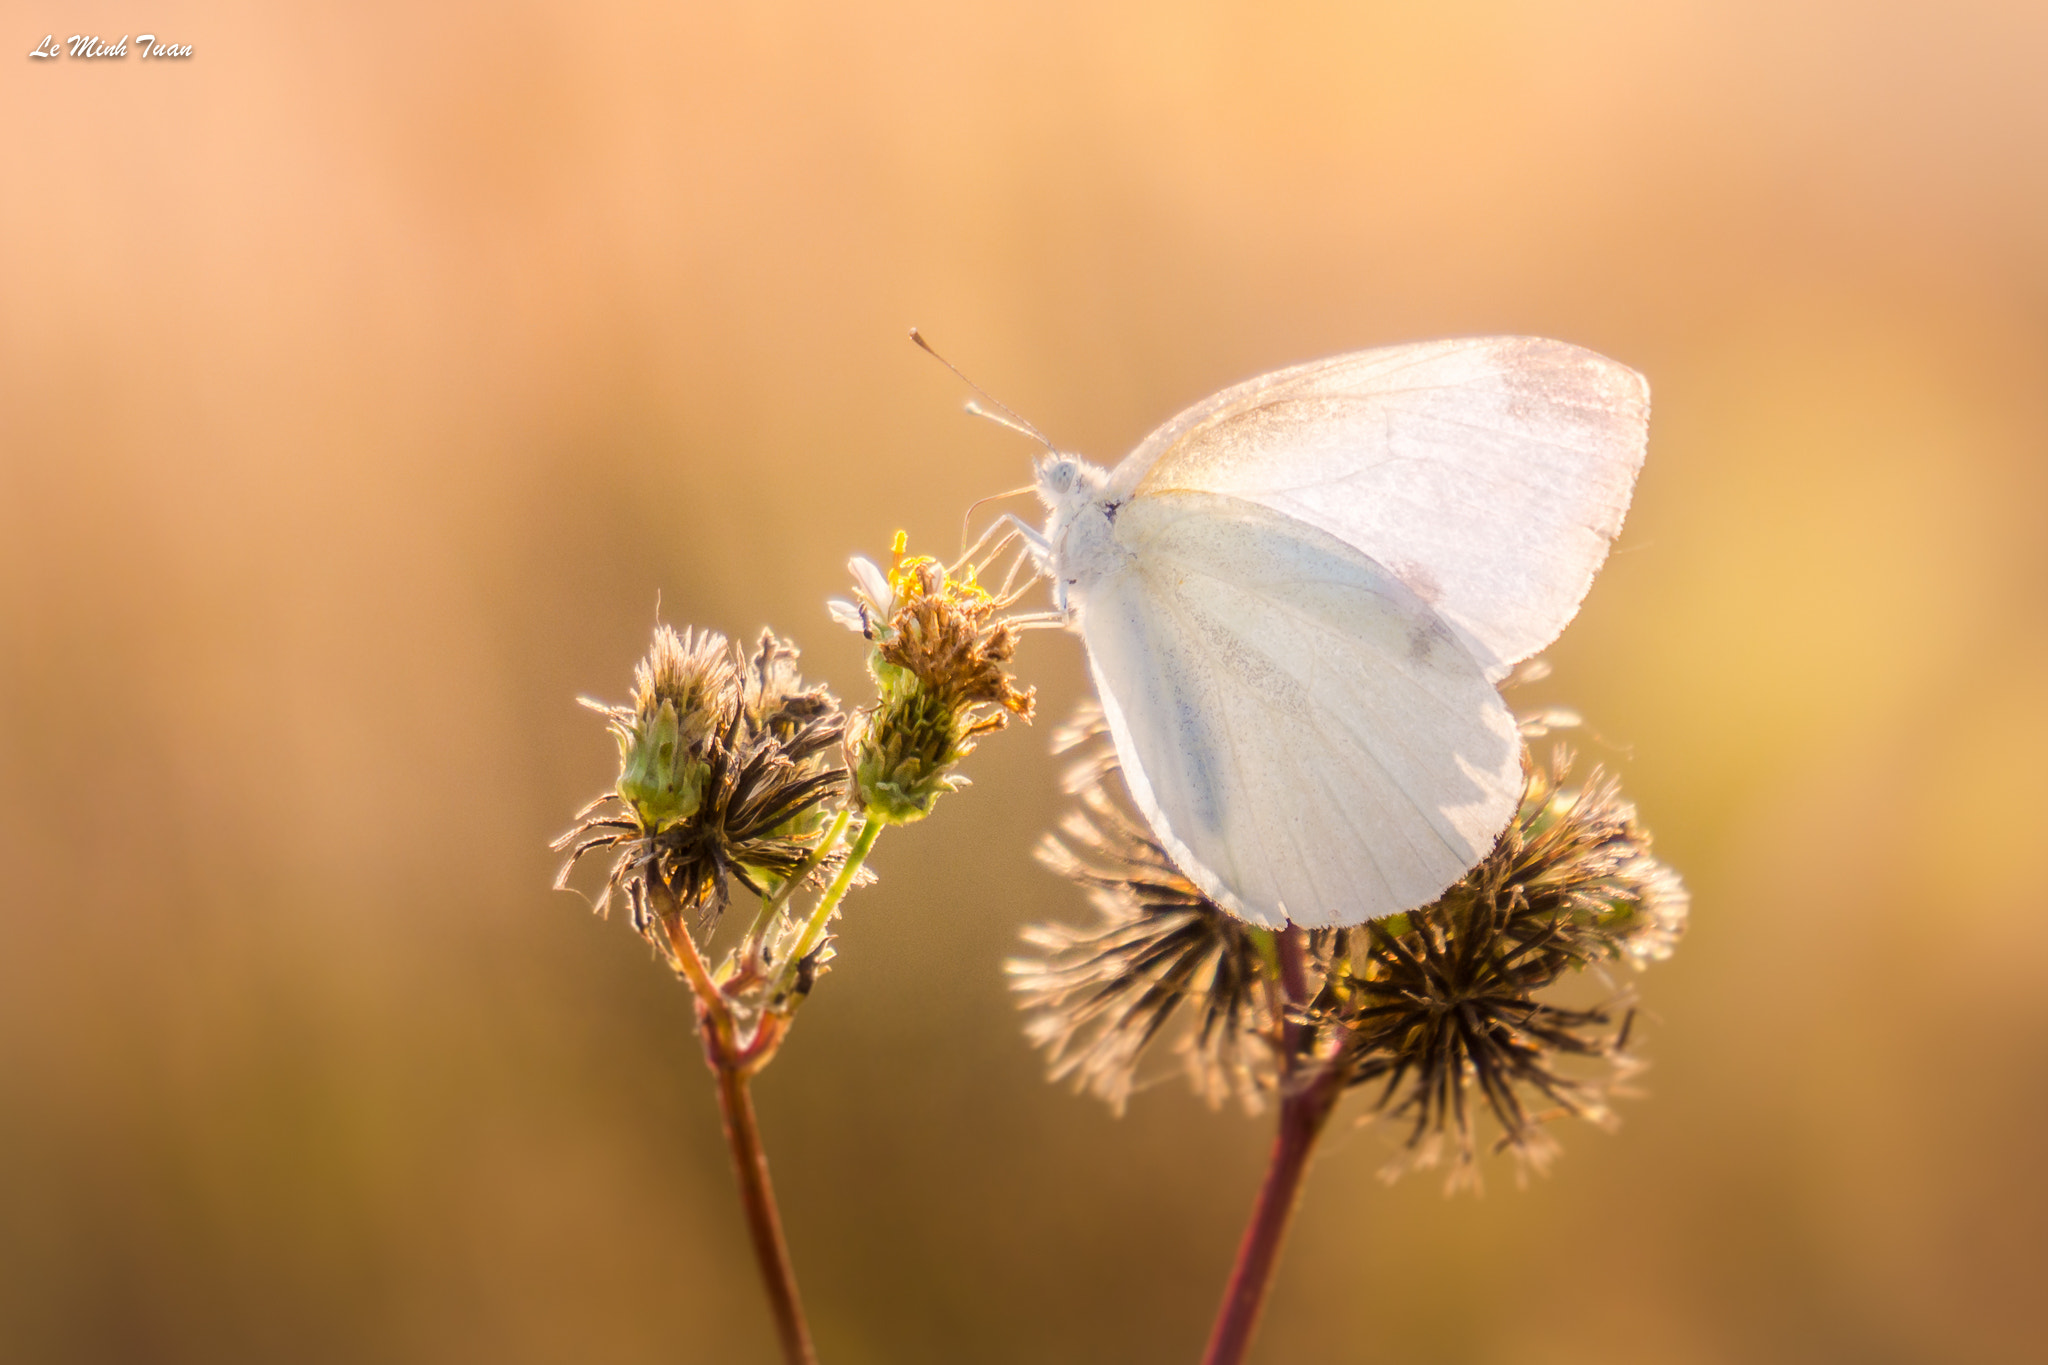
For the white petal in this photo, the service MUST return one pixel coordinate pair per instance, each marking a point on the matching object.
(872, 581)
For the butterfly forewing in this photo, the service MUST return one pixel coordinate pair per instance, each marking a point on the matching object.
(1489, 475)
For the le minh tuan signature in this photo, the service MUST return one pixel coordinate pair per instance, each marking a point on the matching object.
(146, 47)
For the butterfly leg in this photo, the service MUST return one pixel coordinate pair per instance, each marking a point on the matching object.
(1012, 529)
(1012, 526)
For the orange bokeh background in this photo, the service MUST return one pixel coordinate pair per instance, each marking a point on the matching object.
(371, 379)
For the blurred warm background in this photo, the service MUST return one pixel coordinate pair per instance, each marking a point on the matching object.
(369, 381)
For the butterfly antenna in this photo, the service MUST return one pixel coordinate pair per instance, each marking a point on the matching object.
(996, 411)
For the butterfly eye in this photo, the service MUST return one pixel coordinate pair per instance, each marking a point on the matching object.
(1056, 474)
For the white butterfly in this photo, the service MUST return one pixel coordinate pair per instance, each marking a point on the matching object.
(1298, 595)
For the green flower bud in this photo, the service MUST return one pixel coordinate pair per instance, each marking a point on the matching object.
(906, 751)
(659, 777)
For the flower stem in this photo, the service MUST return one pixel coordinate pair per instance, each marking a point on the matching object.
(714, 1015)
(757, 1197)
(870, 830)
(1309, 1092)
(732, 1064)
(769, 907)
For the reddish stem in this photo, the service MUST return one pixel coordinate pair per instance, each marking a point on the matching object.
(1305, 1106)
(733, 1061)
(757, 1197)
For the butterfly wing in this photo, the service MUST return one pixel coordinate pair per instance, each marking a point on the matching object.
(1488, 474)
(1308, 739)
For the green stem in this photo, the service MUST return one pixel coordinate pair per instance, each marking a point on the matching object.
(870, 830)
(774, 903)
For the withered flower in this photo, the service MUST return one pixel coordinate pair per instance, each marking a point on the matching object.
(941, 655)
(1434, 1013)
(1098, 997)
(724, 764)
(1445, 1001)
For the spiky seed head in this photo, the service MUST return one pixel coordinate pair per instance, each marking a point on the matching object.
(726, 765)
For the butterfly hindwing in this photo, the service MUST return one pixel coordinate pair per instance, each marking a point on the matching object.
(1308, 738)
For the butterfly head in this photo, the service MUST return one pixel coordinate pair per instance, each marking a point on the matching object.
(1065, 482)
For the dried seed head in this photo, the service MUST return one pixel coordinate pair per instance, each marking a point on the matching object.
(725, 765)
(1441, 1011)
(1161, 961)
(1583, 856)
(777, 702)
(941, 658)
(1160, 950)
